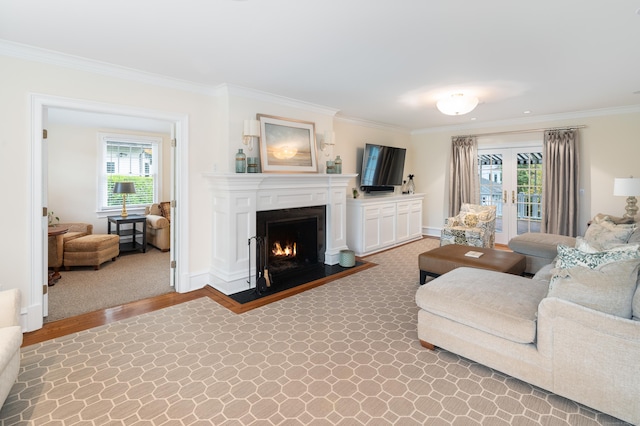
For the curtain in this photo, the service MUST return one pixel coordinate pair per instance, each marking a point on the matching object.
(463, 176)
(560, 187)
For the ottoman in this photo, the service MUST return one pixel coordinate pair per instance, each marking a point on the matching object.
(539, 248)
(91, 250)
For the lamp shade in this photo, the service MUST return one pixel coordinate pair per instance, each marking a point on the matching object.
(627, 187)
(251, 128)
(457, 104)
(124, 188)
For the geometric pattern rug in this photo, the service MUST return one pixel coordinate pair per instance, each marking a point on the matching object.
(343, 353)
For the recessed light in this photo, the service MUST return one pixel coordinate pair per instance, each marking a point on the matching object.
(526, 112)
(473, 119)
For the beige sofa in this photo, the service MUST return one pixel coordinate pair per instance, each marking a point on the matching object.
(574, 329)
(159, 225)
(10, 340)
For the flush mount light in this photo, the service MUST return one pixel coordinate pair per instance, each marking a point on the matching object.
(457, 104)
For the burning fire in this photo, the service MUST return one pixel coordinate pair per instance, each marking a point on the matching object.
(287, 250)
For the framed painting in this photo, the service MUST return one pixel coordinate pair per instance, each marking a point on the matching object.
(286, 145)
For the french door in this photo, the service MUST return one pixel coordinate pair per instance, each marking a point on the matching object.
(511, 179)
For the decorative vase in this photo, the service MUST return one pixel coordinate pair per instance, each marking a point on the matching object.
(241, 161)
(338, 165)
(411, 186)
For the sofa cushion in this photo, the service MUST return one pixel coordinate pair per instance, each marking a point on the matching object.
(569, 257)
(603, 232)
(503, 305)
(539, 244)
(607, 288)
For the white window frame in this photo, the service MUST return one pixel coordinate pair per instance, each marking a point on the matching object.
(101, 184)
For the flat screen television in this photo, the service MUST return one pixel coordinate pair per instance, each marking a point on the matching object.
(382, 168)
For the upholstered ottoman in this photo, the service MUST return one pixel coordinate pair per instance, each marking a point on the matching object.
(91, 250)
(539, 248)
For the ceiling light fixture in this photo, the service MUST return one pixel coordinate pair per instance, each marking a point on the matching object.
(457, 104)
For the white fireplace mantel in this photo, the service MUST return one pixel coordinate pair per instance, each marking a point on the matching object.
(237, 197)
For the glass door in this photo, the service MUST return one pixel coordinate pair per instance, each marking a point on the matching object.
(511, 180)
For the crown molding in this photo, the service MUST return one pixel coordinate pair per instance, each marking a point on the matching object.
(259, 95)
(631, 109)
(36, 54)
(372, 124)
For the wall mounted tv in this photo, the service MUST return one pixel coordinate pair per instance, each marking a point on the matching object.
(382, 168)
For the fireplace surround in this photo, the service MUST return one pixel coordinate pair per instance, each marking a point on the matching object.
(236, 201)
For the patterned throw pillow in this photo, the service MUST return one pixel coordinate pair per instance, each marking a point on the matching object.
(584, 246)
(569, 257)
(470, 220)
(166, 209)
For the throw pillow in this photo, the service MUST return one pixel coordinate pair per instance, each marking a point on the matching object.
(615, 219)
(166, 209)
(608, 288)
(155, 210)
(605, 232)
(584, 246)
(470, 220)
(569, 257)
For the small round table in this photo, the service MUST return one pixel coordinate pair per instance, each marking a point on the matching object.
(54, 231)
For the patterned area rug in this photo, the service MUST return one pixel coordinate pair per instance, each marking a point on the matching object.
(343, 353)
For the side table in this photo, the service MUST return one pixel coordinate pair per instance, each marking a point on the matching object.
(131, 236)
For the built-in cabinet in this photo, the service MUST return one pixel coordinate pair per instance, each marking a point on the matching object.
(378, 223)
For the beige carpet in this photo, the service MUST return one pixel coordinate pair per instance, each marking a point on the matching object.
(345, 353)
(133, 276)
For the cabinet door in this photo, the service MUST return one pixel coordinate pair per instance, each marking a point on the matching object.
(415, 219)
(371, 228)
(388, 225)
(402, 228)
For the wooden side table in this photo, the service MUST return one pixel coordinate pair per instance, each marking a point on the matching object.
(130, 234)
(54, 231)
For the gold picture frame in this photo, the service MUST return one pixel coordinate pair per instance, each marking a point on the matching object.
(287, 145)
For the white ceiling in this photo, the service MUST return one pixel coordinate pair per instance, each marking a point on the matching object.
(382, 61)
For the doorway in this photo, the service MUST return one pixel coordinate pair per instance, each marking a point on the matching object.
(41, 106)
(511, 179)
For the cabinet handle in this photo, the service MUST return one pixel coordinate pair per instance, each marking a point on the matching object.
(513, 197)
(504, 197)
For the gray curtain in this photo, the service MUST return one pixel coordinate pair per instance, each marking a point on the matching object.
(560, 177)
(463, 176)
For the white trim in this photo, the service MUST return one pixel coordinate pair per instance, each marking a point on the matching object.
(37, 104)
(30, 53)
(372, 124)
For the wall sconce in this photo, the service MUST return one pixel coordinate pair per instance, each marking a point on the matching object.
(628, 187)
(251, 131)
(328, 143)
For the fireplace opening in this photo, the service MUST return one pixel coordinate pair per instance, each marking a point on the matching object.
(294, 240)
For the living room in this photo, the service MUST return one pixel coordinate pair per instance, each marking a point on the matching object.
(210, 133)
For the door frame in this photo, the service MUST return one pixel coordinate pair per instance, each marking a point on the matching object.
(39, 103)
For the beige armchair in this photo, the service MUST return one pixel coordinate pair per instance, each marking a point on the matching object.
(474, 226)
(10, 340)
(56, 243)
(159, 225)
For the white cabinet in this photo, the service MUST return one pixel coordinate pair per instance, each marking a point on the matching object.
(377, 223)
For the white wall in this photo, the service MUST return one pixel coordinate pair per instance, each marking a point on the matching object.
(609, 148)
(73, 167)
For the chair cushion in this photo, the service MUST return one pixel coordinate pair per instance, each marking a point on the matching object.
(501, 304)
(91, 243)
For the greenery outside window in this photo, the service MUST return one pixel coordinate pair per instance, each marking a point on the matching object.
(128, 158)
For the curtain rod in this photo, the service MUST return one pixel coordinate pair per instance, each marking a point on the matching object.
(508, 132)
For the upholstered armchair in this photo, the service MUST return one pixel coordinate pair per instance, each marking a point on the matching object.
(475, 226)
(56, 243)
(159, 225)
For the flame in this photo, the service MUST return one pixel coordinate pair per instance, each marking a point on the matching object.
(287, 250)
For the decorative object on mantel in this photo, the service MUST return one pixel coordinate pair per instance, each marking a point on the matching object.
(241, 161)
(331, 167)
(287, 145)
(338, 165)
(411, 186)
(124, 188)
(251, 130)
(252, 165)
(629, 187)
(404, 187)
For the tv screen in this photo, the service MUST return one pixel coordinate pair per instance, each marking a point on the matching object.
(382, 166)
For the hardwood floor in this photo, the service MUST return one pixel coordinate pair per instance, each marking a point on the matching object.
(89, 320)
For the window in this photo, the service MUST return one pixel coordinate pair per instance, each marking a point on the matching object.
(128, 158)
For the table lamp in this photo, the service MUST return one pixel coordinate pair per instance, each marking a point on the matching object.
(124, 188)
(629, 187)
